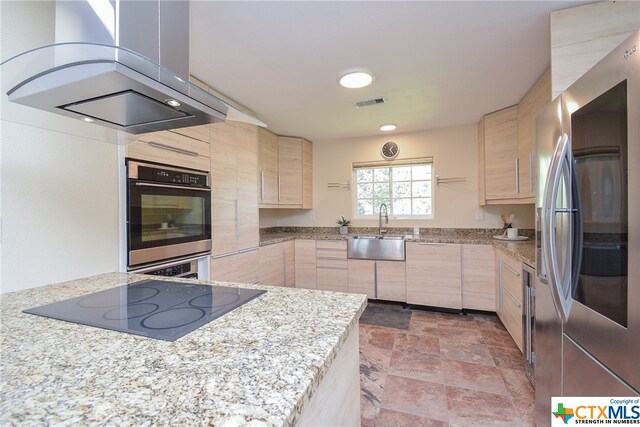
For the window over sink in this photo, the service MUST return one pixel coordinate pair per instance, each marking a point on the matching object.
(404, 186)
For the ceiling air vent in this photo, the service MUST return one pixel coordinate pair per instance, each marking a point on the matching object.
(368, 102)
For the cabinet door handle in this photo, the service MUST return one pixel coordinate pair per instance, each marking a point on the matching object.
(517, 176)
(512, 298)
(237, 217)
(531, 161)
(174, 149)
(326, 267)
(261, 185)
(431, 244)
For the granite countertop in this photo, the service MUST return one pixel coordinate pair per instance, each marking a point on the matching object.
(524, 251)
(257, 365)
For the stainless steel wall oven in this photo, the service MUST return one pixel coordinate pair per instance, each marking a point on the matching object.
(168, 213)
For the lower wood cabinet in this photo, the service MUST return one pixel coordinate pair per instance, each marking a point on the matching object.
(433, 274)
(289, 263)
(240, 267)
(276, 264)
(478, 277)
(391, 281)
(331, 265)
(305, 263)
(362, 277)
(509, 291)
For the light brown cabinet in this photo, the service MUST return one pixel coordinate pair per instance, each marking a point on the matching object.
(383, 280)
(276, 264)
(233, 187)
(509, 291)
(433, 272)
(506, 149)
(268, 167)
(331, 265)
(362, 277)
(391, 281)
(289, 263)
(240, 267)
(305, 264)
(271, 265)
(168, 147)
(501, 155)
(581, 36)
(528, 109)
(286, 172)
(478, 277)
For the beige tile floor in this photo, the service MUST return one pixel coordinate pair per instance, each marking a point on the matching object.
(444, 370)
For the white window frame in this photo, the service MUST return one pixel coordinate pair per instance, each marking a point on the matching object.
(395, 163)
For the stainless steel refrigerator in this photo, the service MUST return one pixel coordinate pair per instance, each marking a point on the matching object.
(587, 311)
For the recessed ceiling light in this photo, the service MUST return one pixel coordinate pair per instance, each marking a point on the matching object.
(388, 127)
(356, 79)
(179, 79)
(87, 119)
(173, 102)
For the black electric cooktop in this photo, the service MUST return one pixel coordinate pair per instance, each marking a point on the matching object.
(151, 308)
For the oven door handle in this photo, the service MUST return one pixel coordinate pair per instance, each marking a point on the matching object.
(146, 184)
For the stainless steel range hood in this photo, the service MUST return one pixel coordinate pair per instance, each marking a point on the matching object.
(121, 64)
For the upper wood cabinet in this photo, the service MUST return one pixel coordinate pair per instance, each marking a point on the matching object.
(506, 149)
(268, 167)
(234, 158)
(171, 148)
(501, 154)
(531, 105)
(285, 171)
(581, 36)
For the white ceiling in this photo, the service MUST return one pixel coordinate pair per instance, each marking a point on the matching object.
(437, 64)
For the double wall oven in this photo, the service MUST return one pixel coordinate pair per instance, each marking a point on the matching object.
(168, 214)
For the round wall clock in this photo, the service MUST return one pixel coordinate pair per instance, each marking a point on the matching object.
(390, 150)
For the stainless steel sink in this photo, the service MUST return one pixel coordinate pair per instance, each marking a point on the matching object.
(385, 248)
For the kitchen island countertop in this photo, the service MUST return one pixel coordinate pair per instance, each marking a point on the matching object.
(257, 365)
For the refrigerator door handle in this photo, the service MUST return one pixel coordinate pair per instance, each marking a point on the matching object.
(555, 278)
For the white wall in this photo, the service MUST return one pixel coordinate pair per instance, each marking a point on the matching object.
(455, 155)
(59, 177)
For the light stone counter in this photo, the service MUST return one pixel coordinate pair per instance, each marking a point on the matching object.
(524, 251)
(257, 365)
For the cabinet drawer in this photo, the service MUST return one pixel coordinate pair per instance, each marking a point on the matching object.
(170, 148)
(512, 278)
(331, 249)
(512, 317)
(332, 263)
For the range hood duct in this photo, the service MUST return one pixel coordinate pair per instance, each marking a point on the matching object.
(122, 64)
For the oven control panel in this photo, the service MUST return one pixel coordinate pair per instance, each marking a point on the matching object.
(147, 173)
(182, 270)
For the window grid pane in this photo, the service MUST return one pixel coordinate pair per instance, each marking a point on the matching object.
(406, 190)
